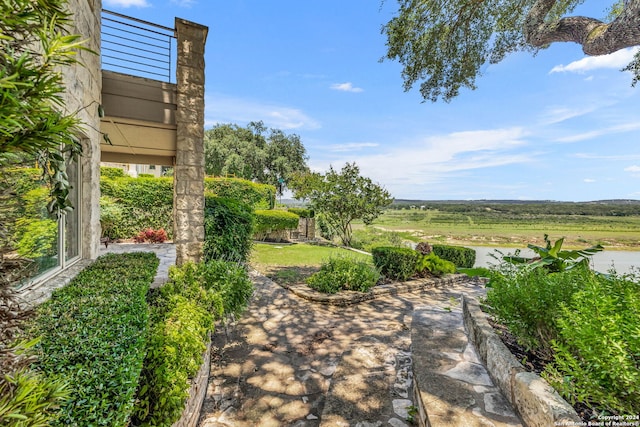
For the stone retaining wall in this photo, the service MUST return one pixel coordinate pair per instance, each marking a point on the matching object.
(197, 393)
(537, 403)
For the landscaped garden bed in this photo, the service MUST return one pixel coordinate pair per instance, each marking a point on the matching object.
(579, 329)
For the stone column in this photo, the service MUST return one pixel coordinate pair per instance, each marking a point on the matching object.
(188, 176)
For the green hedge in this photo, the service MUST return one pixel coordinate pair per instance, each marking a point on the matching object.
(460, 256)
(228, 226)
(258, 196)
(148, 202)
(93, 337)
(108, 172)
(143, 203)
(267, 221)
(395, 263)
(302, 212)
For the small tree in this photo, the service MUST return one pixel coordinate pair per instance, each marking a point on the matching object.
(342, 197)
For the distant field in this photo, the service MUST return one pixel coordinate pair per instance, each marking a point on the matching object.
(615, 226)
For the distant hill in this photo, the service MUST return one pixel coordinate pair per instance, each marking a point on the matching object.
(512, 202)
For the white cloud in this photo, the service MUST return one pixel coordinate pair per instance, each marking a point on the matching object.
(126, 3)
(635, 170)
(589, 180)
(435, 158)
(225, 109)
(346, 87)
(606, 157)
(555, 115)
(617, 60)
(626, 127)
(352, 146)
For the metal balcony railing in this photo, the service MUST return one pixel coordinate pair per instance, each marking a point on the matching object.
(136, 47)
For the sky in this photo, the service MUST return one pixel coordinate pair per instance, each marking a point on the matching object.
(555, 126)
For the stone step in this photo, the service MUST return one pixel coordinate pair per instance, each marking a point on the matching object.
(451, 386)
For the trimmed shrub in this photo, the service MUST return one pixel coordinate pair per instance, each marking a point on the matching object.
(395, 263)
(597, 354)
(302, 212)
(460, 256)
(344, 273)
(435, 265)
(271, 221)
(93, 337)
(258, 196)
(109, 172)
(228, 226)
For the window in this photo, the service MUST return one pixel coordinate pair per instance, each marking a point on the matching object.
(32, 241)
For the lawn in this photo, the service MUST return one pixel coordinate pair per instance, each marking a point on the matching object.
(513, 230)
(294, 263)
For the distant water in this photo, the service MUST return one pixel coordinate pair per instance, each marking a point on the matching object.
(602, 261)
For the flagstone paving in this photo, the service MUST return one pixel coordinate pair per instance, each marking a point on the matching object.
(292, 362)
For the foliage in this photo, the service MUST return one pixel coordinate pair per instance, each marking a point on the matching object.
(259, 196)
(223, 288)
(34, 46)
(228, 226)
(424, 248)
(152, 236)
(182, 316)
(174, 354)
(369, 237)
(596, 356)
(553, 259)
(395, 263)
(251, 154)
(27, 398)
(458, 255)
(93, 337)
(344, 273)
(434, 265)
(38, 238)
(342, 197)
(135, 204)
(269, 221)
(302, 212)
(529, 302)
(446, 45)
(111, 216)
(111, 173)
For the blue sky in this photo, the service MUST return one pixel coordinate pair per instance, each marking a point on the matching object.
(557, 126)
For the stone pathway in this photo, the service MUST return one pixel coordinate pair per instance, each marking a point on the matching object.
(292, 362)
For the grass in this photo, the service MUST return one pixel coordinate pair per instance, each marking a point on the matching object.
(289, 264)
(493, 229)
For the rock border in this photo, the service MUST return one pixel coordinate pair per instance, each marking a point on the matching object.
(197, 393)
(537, 403)
(344, 298)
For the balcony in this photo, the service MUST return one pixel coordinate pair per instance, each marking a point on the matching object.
(139, 91)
